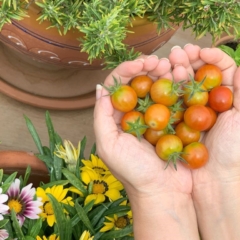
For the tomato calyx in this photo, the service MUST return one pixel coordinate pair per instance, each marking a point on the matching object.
(144, 104)
(115, 87)
(174, 158)
(177, 88)
(136, 127)
(193, 87)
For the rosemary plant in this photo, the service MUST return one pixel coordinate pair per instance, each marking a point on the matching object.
(105, 22)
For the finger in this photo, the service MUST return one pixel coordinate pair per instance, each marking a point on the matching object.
(125, 71)
(163, 67)
(236, 89)
(222, 60)
(179, 57)
(193, 53)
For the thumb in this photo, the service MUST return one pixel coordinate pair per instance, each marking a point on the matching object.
(236, 89)
(104, 124)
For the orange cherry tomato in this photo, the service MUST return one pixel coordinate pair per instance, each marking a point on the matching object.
(152, 136)
(157, 116)
(212, 75)
(141, 84)
(195, 154)
(187, 134)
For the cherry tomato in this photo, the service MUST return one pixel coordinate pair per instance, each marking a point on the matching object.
(164, 91)
(168, 147)
(197, 117)
(220, 99)
(195, 154)
(133, 122)
(187, 134)
(213, 117)
(152, 136)
(212, 75)
(192, 96)
(157, 116)
(141, 85)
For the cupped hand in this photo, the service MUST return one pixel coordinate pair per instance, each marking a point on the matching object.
(135, 162)
(223, 140)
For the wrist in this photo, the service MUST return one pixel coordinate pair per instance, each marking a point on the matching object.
(163, 216)
(217, 204)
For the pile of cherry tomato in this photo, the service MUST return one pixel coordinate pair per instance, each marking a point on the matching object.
(172, 115)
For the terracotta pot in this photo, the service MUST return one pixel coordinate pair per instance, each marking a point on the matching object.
(60, 77)
(223, 40)
(32, 38)
(17, 161)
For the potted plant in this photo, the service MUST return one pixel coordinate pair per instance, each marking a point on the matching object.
(104, 29)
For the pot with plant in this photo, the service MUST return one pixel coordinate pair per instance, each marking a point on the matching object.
(98, 34)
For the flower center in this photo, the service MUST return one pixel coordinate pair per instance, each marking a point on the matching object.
(122, 222)
(48, 208)
(99, 187)
(15, 205)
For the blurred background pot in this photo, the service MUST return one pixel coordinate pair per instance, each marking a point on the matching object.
(18, 161)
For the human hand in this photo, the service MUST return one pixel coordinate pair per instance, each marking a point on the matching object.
(160, 199)
(216, 191)
(135, 162)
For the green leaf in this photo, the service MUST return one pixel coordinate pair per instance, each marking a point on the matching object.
(51, 132)
(3, 223)
(83, 216)
(8, 181)
(34, 227)
(57, 167)
(63, 223)
(227, 50)
(16, 226)
(55, 183)
(34, 134)
(27, 175)
(117, 233)
(74, 181)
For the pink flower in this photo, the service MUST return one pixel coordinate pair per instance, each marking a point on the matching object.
(23, 201)
(3, 234)
(3, 207)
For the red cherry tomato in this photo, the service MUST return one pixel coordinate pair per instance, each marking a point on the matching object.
(195, 154)
(197, 117)
(220, 99)
(141, 85)
(213, 117)
(187, 134)
(212, 75)
(157, 116)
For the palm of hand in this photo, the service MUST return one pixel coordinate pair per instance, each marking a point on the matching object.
(139, 166)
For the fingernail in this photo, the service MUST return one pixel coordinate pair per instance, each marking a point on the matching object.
(175, 47)
(165, 59)
(98, 91)
(177, 64)
(139, 59)
(150, 56)
(187, 45)
(204, 49)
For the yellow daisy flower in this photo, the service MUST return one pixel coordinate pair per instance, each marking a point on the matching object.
(52, 237)
(96, 164)
(101, 186)
(86, 236)
(69, 154)
(47, 209)
(116, 223)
